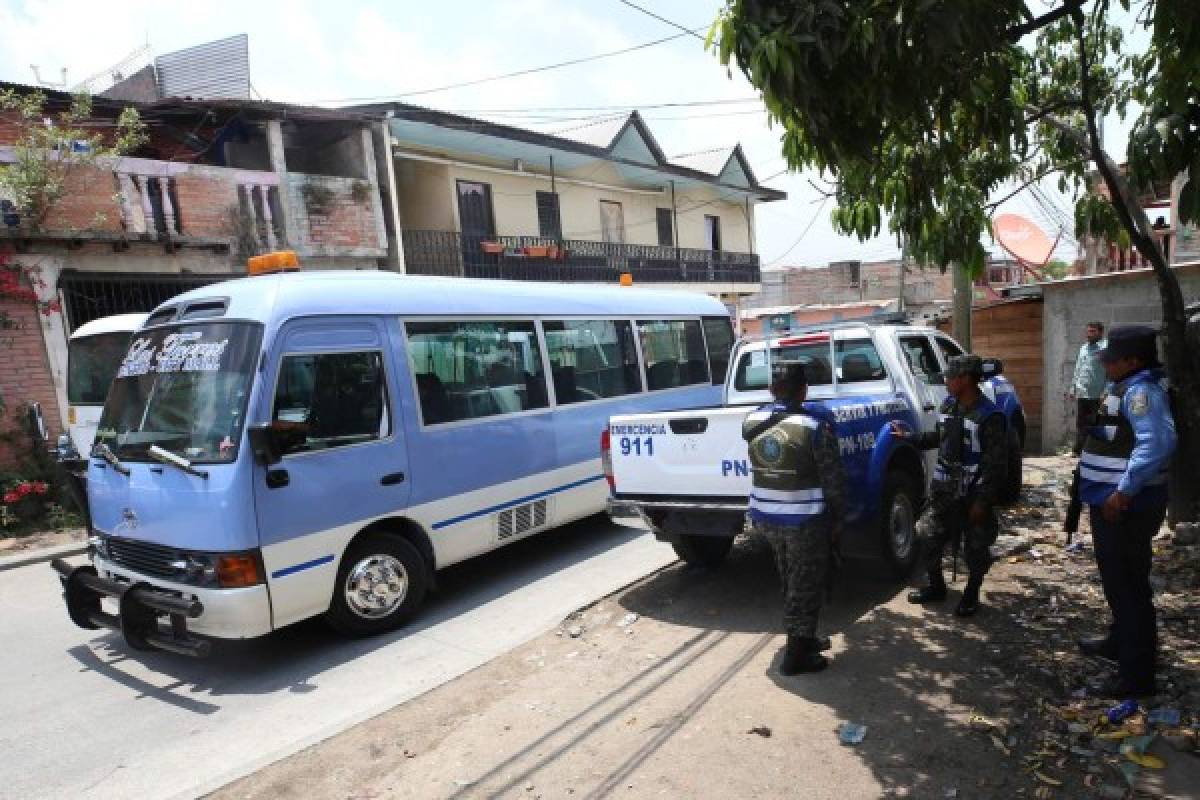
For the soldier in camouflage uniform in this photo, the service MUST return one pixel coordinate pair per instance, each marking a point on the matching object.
(972, 441)
(798, 503)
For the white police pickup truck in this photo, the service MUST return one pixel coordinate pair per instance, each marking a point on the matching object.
(686, 474)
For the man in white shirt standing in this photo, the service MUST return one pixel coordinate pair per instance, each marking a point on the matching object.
(1088, 383)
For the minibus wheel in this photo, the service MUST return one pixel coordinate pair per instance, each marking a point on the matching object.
(380, 584)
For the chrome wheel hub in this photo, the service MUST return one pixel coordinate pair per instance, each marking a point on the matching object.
(376, 586)
(902, 527)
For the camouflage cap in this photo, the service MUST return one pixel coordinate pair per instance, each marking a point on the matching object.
(964, 365)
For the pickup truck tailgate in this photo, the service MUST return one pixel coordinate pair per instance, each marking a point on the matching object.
(681, 453)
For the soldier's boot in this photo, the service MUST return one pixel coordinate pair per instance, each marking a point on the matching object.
(802, 654)
(968, 604)
(935, 592)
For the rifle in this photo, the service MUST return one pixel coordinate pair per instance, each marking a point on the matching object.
(1074, 508)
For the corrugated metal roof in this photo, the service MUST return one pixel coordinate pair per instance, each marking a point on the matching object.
(213, 69)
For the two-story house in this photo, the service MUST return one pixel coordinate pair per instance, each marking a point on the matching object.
(481, 199)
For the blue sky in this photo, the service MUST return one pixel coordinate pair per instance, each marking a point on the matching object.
(311, 51)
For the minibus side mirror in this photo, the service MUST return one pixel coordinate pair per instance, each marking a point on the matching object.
(263, 444)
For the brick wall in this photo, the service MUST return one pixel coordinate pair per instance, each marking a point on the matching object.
(25, 375)
(343, 227)
(88, 203)
(878, 280)
(206, 197)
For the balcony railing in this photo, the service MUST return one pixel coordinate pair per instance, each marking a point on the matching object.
(537, 258)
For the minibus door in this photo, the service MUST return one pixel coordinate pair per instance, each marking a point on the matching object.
(331, 402)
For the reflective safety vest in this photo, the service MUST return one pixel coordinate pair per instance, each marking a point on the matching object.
(786, 487)
(959, 448)
(1110, 443)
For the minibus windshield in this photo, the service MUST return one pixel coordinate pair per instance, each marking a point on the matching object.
(183, 388)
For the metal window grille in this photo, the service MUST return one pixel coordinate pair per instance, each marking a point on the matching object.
(92, 295)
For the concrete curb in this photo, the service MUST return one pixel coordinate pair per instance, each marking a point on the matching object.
(45, 554)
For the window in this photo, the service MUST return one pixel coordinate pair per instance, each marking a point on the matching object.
(921, 358)
(666, 227)
(752, 375)
(475, 215)
(474, 369)
(549, 216)
(674, 353)
(592, 359)
(858, 361)
(718, 332)
(326, 400)
(612, 222)
(712, 232)
(949, 347)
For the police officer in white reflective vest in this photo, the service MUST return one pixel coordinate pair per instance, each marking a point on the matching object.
(971, 440)
(798, 503)
(1123, 480)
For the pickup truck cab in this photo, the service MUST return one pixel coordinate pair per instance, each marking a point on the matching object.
(686, 474)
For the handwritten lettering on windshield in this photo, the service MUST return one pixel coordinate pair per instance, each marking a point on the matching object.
(180, 352)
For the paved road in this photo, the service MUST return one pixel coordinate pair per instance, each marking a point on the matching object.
(83, 717)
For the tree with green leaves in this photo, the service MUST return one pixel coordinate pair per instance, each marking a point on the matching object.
(51, 146)
(924, 112)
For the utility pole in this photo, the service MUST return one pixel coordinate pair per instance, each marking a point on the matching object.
(903, 272)
(963, 295)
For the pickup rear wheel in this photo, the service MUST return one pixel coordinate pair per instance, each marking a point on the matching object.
(898, 521)
(700, 550)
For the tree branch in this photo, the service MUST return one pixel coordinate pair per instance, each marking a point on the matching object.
(1054, 108)
(1069, 7)
(990, 207)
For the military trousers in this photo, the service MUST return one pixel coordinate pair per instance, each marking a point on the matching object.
(802, 556)
(944, 521)
(1123, 555)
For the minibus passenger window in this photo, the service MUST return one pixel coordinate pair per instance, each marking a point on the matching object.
(477, 368)
(331, 400)
(674, 353)
(592, 359)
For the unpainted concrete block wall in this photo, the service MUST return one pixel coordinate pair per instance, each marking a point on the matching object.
(1119, 298)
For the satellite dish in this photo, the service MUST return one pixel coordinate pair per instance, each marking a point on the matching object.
(1025, 241)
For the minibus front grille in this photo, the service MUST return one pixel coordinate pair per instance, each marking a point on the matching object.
(144, 557)
(520, 519)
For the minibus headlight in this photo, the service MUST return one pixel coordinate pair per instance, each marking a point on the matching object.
(234, 572)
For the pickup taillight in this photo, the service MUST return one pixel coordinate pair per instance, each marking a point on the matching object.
(606, 458)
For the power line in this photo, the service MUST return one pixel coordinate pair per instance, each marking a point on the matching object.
(650, 13)
(630, 107)
(518, 73)
(799, 238)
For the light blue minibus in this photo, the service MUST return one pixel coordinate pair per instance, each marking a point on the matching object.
(321, 443)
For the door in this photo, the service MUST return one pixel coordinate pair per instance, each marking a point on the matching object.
(612, 222)
(475, 210)
(712, 233)
(330, 390)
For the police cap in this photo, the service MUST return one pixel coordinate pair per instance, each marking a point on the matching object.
(1138, 341)
(964, 365)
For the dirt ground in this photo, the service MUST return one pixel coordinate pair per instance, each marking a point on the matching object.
(671, 689)
(11, 545)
